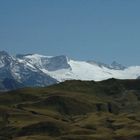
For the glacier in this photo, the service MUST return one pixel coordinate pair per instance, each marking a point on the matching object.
(32, 70)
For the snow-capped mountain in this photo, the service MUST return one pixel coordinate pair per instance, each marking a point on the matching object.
(40, 70)
(46, 62)
(22, 72)
(117, 66)
(114, 65)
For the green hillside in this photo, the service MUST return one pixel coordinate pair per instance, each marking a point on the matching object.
(72, 110)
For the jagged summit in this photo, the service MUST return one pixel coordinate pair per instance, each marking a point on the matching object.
(31, 55)
(57, 63)
(22, 55)
(50, 63)
(4, 54)
(5, 59)
(114, 65)
(117, 66)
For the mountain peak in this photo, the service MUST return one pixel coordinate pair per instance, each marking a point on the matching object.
(3, 53)
(50, 63)
(5, 59)
(117, 66)
(58, 62)
(22, 55)
(31, 56)
(40, 70)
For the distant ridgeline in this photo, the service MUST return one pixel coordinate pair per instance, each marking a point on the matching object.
(34, 70)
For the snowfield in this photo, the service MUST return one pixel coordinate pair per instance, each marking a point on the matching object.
(35, 69)
(81, 70)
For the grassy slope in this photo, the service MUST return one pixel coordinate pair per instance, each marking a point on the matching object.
(73, 110)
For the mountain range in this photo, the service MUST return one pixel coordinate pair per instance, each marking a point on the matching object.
(34, 70)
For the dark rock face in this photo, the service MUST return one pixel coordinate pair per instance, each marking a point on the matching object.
(11, 84)
(138, 77)
(58, 62)
(117, 66)
(48, 63)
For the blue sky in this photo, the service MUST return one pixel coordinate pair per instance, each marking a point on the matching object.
(102, 30)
